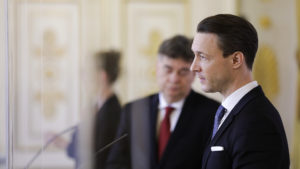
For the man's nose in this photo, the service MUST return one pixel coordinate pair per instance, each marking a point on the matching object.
(174, 77)
(195, 67)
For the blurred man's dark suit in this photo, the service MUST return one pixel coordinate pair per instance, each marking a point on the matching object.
(185, 146)
(105, 128)
(251, 137)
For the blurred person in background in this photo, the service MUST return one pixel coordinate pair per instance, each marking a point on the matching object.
(169, 129)
(107, 109)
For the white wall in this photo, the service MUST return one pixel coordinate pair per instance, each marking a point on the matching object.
(2, 79)
(204, 8)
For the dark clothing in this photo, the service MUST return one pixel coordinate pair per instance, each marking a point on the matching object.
(105, 129)
(185, 146)
(251, 137)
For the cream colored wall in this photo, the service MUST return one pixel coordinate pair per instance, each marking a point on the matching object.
(296, 144)
(104, 24)
(203, 8)
(111, 23)
(2, 81)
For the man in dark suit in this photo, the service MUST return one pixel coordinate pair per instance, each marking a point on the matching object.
(109, 108)
(169, 129)
(248, 132)
(107, 117)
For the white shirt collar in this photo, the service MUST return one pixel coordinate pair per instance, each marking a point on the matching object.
(174, 117)
(163, 103)
(230, 102)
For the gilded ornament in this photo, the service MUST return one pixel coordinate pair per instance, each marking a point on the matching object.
(265, 22)
(266, 0)
(155, 39)
(298, 84)
(265, 71)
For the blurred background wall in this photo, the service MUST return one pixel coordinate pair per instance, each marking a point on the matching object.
(46, 61)
(2, 86)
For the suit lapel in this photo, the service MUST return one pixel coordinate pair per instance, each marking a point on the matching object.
(230, 119)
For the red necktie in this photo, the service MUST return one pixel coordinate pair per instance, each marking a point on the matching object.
(164, 132)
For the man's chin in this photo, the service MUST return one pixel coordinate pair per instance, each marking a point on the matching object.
(206, 89)
(174, 96)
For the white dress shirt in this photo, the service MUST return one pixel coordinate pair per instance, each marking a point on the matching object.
(230, 102)
(162, 111)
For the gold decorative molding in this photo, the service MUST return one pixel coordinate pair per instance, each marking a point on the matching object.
(265, 22)
(298, 56)
(145, 51)
(154, 39)
(48, 1)
(265, 0)
(238, 6)
(50, 49)
(298, 84)
(296, 146)
(173, 1)
(150, 51)
(265, 71)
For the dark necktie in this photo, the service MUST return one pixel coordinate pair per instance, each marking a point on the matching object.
(164, 132)
(218, 117)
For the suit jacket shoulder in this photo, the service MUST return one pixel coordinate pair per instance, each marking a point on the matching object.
(252, 136)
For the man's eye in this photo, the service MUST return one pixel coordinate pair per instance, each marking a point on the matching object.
(168, 70)
(184, 72)
(202, 56)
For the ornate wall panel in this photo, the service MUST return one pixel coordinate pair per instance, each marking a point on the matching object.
(148, 24)
(46, 75)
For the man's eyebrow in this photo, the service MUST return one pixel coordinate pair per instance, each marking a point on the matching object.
(168, 66)
(199, 52)
(184, 69)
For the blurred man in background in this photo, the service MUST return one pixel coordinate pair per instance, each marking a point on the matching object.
(169, 129)
(107, 117)
(109, 108)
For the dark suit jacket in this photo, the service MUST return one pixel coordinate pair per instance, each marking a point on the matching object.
(105, 129)
(252, 136)
(186, 144)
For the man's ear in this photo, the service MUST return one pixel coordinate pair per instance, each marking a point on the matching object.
(237, 59)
